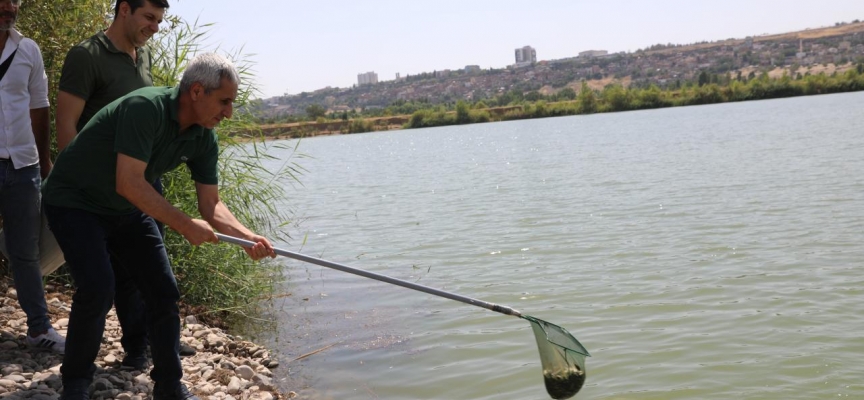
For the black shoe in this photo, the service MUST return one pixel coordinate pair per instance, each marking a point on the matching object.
(76, 389)
(186, 350)
(180, 392)
(137, 363)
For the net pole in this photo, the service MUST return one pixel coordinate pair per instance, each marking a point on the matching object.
(378, 277)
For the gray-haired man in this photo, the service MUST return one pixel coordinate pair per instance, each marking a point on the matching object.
(99, 199)
(97, 71)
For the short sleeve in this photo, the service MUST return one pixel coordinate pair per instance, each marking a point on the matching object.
(78, 76)
(138, 124)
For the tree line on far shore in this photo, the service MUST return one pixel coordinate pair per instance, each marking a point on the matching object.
(615, 97)
(706, 88)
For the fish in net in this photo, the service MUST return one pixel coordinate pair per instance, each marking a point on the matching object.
(562, 358)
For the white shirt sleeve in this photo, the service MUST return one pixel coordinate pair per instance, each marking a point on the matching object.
(38, 83)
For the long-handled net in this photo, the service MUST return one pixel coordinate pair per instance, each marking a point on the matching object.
(561, 355)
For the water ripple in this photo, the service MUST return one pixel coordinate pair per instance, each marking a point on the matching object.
(699, 253)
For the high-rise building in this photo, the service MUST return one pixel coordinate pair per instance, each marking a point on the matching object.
(526, 55)
(367, 78)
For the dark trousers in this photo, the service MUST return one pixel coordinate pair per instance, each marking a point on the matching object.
(129, 304)
(133, 239)
(130, 310)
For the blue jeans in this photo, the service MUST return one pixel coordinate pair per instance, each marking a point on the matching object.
(136, 245)
(20, 205)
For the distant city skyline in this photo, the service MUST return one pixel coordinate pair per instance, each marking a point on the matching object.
(302, 47)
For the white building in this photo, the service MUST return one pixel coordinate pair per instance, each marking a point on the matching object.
(526, 56)
(367, 78)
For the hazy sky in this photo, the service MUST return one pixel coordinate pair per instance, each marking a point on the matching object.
(302, 46)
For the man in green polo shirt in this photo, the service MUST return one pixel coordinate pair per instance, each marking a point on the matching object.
(99, 200)
(97, 71)
(107, 66)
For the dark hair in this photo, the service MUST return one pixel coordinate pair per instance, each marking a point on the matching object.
(135, 4)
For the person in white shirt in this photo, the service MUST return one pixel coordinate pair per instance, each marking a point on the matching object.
(24, 161)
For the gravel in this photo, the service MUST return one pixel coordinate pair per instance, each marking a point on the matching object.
(224, 368)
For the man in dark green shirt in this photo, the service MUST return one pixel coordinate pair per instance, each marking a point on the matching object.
(97, 71)
(99, 200)
(107, 66)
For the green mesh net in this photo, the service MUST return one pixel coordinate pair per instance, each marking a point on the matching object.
(562, 358)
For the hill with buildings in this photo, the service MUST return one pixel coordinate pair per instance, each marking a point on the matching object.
(666, 66)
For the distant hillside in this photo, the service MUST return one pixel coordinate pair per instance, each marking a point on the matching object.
(809, 51)
(842, 29)
(817, 33)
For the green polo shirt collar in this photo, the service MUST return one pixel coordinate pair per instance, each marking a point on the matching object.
(105, 41)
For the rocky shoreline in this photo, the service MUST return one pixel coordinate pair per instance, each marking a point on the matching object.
(225, 367)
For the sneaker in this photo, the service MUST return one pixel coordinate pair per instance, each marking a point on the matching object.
(180, 392)
(186, 350)
(49, 340)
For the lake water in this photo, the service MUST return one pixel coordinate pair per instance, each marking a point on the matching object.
(709, 252)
